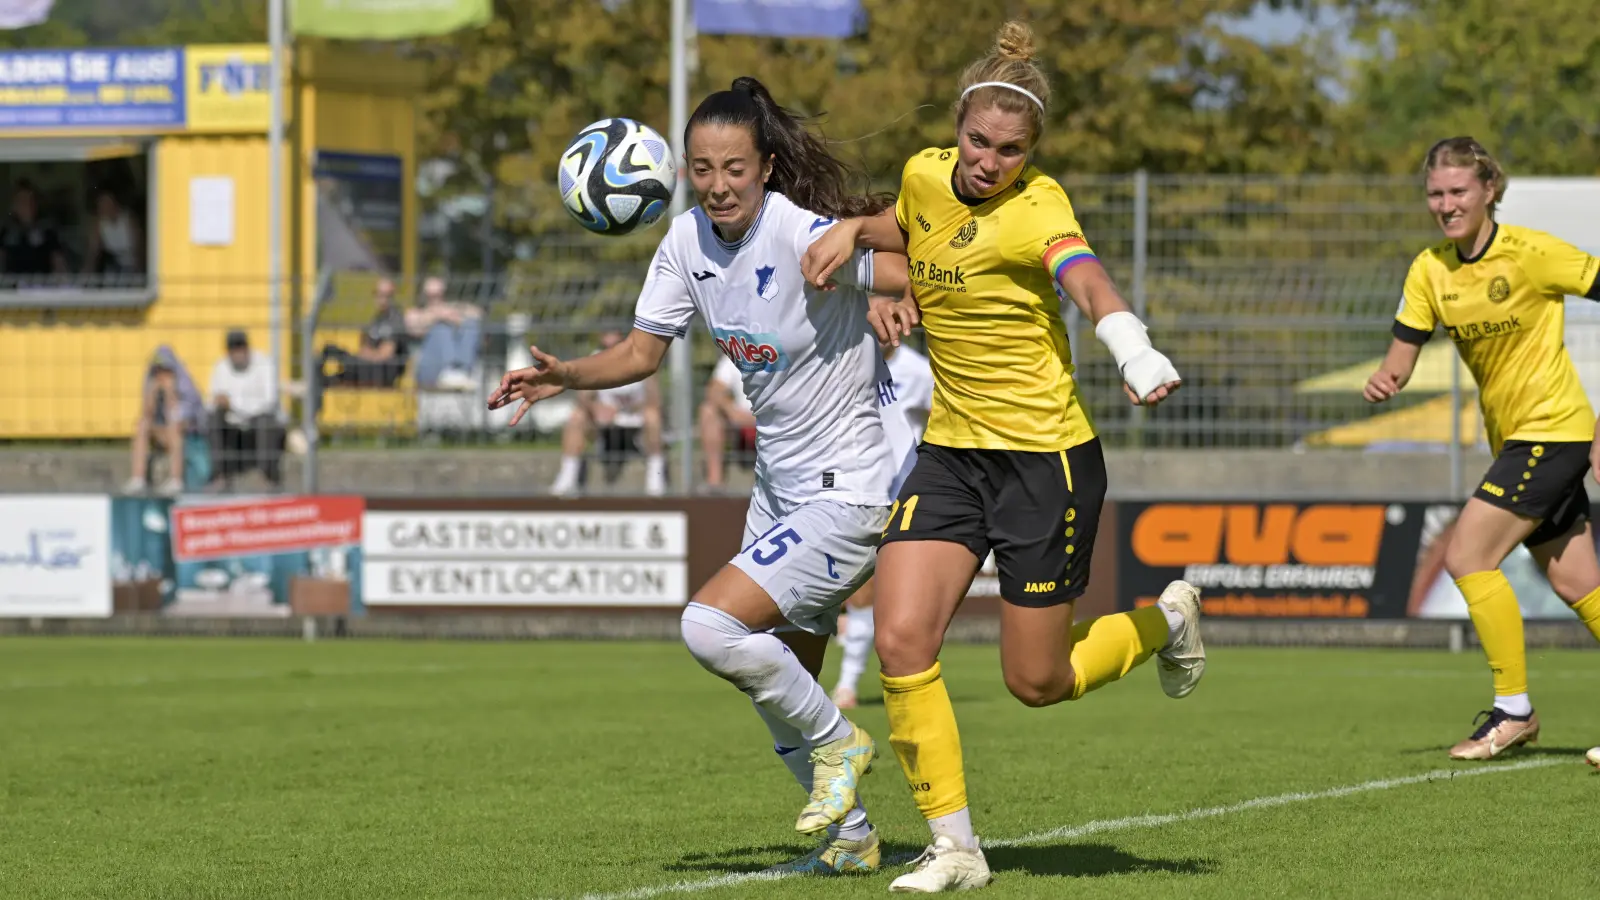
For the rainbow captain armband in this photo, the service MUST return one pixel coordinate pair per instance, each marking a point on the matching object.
(1065, 253)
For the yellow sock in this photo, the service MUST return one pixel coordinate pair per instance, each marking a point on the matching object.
(1588, 609)
(1493, 606)
(922, 730)
(1108, 648)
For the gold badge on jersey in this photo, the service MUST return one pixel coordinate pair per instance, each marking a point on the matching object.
(1499, 289)
(965, 236)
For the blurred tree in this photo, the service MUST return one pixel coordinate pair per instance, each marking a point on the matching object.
(1522, 76)
(1139, 83)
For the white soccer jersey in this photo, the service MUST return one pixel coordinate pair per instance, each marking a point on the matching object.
(906, 399)
(809, 361)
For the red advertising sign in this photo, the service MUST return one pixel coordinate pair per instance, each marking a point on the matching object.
(257, 527)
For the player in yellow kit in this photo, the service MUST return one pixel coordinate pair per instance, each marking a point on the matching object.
(1009, 461)
(1498, 291)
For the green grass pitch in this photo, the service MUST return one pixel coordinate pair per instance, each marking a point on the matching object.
(240, 769)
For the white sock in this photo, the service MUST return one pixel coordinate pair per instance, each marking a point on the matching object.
(790, 745)
(1174, 622)
(857, 646)
(569, 470)
(765, 670)
(1515, 705)
(957, 826)
(854, 826)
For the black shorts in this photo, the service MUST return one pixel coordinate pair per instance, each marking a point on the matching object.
(1540, 480)
(1038, 512)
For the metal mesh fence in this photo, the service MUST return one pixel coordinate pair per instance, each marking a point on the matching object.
(1274, 296)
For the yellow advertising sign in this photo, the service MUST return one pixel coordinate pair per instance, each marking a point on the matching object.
(228, 87)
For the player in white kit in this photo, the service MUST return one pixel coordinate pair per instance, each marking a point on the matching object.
(905, 401)
(811, 369)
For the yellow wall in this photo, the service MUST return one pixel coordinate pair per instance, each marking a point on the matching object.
(77, 373)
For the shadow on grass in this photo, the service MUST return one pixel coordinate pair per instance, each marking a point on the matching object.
(1070, 860)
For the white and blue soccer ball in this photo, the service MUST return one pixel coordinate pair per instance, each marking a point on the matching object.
(617, 177)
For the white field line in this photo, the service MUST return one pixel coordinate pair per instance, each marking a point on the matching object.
(1101, 826)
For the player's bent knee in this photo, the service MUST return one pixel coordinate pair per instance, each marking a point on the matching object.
(1037, 692)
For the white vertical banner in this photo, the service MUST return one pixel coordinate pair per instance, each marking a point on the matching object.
(55, 556)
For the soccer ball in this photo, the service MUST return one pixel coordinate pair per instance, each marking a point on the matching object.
(617, 177)
(1593, 756)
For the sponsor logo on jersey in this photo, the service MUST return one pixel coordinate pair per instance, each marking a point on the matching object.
(1473, 331)
(965, 236)
(932, 275)
(924, 223)
(1039, 587)
(1499, 289)
(751, 353)
(1494, 489)
(820, 222)
(702, 276)
(767, 283)
(1061, 236)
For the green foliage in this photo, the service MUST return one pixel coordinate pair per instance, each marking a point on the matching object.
(1520, 75)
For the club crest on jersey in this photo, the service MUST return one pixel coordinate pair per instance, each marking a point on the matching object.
(965, 236)
(767, 283)
(751, 353)
(1499, 289)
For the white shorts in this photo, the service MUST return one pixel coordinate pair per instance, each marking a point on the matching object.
(810, 558)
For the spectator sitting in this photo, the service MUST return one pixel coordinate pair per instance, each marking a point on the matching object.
(380, 359)
(246, 432)
(29, 245)
(449, 335)
(171, 409)
(725, 406)
(116, 243)
(625, 419)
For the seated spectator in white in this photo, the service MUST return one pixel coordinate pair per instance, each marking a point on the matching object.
(380, 359)
(30, 246)
(725, 407)
(116, 247)
(246, 429)
(170, 409)
(624, 420)
(448, 333)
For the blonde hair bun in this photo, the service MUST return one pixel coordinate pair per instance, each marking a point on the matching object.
(1015, 41)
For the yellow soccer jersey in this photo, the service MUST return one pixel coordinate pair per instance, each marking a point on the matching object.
(1002, 368)
(1506, 314)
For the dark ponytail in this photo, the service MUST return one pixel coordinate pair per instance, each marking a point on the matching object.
(802, 168)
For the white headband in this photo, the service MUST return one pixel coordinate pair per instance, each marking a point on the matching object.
(1005, 84)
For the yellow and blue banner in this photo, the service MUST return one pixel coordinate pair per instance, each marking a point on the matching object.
(222, 88)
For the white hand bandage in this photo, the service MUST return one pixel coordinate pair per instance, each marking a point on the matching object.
(1143, 367)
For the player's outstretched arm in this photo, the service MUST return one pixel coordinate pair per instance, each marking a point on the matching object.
(880, 233)
(632, 359)
(1393, 372)
(1148, 376)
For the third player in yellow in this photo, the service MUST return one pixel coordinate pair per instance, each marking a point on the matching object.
(1499, 292)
